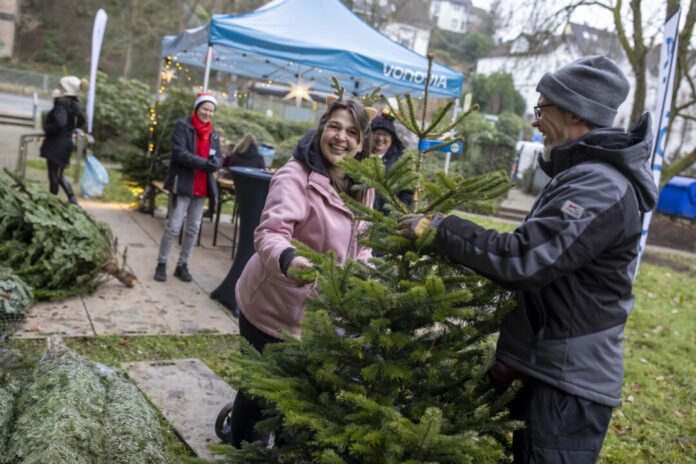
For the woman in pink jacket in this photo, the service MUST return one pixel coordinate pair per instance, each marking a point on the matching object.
(303, 203)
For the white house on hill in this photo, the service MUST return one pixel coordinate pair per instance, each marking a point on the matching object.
(405, 22)
(527, 62)
(410, 26)
(451, 15)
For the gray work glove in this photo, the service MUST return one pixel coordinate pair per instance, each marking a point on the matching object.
(413, 225)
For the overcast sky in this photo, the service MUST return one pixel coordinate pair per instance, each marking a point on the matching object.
(653, 14)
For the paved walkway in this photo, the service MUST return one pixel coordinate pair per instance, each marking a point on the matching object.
(518, 200)
(151, 307)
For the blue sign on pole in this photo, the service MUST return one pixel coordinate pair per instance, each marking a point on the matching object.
(456, 147)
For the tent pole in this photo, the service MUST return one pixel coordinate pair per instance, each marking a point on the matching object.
(208, 60)
(454, 118)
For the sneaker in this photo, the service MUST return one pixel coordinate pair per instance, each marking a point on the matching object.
(182, 273)
(161, 272)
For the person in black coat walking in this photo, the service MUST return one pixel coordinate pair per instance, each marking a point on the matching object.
(61, 121)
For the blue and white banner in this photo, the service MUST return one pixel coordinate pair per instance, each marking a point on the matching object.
(456, 147)
(668, 66)
(97, 37)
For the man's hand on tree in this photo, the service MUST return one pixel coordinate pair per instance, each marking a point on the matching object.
(413, 225)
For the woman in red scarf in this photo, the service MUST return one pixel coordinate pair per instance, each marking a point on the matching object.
(195, 157)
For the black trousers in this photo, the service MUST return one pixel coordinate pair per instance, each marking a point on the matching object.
(246, 412)
(56, 179)
(560, 428)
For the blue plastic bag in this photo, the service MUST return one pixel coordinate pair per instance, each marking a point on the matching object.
(268, 154)
(94, 178)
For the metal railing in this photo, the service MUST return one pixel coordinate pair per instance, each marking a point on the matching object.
(83, 143)
(28, 81)
(17, 120)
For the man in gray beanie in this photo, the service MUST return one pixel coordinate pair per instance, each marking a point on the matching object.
(570, 265)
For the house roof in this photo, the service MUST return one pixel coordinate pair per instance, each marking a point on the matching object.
(460, 2)
(593, 41)
(588, 40)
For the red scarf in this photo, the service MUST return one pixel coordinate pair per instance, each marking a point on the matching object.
(203, 131)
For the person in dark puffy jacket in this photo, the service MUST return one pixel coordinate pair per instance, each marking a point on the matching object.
(246, 154)
(571, 264)
(61, 121)
(195, 157)
(387, 145)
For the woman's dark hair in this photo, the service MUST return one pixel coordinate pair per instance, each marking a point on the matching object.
(357, 111)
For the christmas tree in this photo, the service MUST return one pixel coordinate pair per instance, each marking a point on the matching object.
(392, 363)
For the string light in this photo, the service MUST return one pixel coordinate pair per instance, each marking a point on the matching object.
(171, 66)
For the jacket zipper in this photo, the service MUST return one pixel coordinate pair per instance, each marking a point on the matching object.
(350, 242)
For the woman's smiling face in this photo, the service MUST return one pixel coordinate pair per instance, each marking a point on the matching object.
(205, 112)
(381, 141)
(341, 137)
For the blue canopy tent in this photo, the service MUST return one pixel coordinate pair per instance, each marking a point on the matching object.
(313, 40)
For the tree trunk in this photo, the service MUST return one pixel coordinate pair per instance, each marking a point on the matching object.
(130, 19)
(638, 62)
(678, 166)
(682, 53)
(129, 54)
(185, 20)
(640, 90)
(124, 276)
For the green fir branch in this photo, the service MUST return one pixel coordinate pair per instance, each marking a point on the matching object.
(427, 88)
(437, 119)
(339, 90)
(411, 108)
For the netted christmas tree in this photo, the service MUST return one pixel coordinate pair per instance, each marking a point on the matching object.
(58, 249)
(392, 363)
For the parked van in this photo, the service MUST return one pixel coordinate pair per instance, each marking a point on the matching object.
(527, 154)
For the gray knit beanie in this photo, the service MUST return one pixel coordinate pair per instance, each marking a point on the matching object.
(591, 88)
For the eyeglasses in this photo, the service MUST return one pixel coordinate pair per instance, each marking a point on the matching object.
(537, 110)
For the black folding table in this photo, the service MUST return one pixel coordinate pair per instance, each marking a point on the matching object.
(251, 187)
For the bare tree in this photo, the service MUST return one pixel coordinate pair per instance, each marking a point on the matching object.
(637, 35)
(685, 109)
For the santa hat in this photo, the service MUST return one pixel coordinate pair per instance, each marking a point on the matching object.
(202, 98)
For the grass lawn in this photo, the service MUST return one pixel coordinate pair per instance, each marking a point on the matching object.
(657, 420)
(655, 424)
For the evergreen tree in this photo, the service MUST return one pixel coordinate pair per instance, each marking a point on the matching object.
(392, 363)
